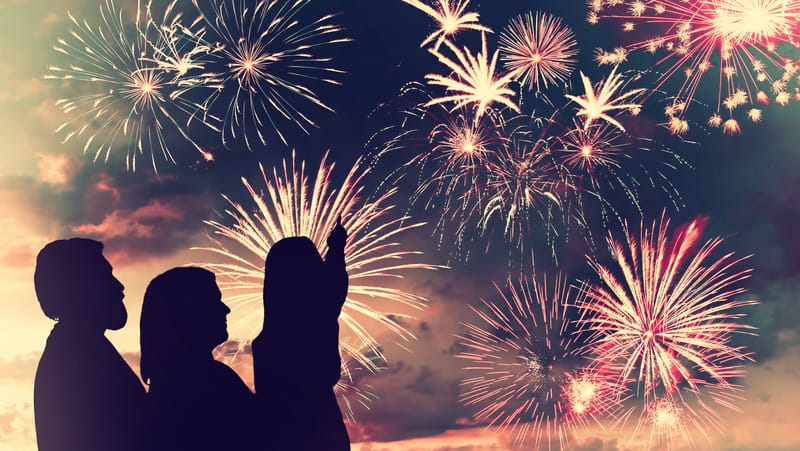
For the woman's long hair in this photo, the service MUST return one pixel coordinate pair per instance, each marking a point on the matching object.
(165, 311)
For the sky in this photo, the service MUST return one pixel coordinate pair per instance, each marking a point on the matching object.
(151, 221)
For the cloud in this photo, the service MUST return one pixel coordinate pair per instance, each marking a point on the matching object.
(55, 169)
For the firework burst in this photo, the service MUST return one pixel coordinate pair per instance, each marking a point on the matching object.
(538, 50)
(125, 97)
(525, 373)
(594, 105)
(663, 319)
(292, 203)
(473, 80)
(452, 18)
(265, 59)
(736, 43)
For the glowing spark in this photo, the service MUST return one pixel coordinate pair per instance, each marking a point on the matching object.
(125, 97)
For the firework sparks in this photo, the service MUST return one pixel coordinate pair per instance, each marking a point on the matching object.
(474, 80)
(451, 17)
(264, 60)
(672, 313)
(126, 97)
(525, 373)
(595, 105)
(522, 180)
(538, 50)
(740, 40)
(296, 205)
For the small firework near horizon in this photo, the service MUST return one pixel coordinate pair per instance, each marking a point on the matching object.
(664, 316)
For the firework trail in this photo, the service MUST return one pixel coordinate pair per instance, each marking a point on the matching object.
(124, 97)
(526, 374)
(295, 203)
(538, 50)
(451, 18)
(265, 59)
(663, 317)
(349, 390)
(473, 80)
(736, 43)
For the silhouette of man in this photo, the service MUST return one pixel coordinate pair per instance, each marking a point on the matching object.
(296, 357)
(85, 396)
(196, 402)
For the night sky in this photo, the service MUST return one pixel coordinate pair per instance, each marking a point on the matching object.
(745, 184)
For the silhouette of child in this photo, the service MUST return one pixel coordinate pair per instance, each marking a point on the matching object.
(196, 402)
(296, 356)
(85, 395)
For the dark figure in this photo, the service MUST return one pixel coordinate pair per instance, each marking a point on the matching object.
(197, 403)
(296, 356)
(85, 396)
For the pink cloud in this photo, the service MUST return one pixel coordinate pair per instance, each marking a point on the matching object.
(139, 223)
(55, 169)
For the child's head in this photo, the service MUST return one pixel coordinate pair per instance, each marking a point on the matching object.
(293, 273)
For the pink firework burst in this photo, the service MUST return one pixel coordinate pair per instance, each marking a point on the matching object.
(739, 44)
(663, 318)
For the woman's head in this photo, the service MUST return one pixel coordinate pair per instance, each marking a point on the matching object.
(182, 317)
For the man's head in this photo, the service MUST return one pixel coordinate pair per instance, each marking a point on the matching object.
(75, 284)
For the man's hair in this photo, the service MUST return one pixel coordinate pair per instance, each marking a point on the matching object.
(61, 273)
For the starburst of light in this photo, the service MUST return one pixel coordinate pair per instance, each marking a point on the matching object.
(121, 95)
(538, 50)
(473, 80)
(452, 18)
(295, 203)
(524, 372)
(666, 311)
(264, 65)
(594, 105)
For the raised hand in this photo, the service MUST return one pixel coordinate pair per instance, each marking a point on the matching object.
(338, 237)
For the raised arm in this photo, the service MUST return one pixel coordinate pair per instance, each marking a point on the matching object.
(335, 262)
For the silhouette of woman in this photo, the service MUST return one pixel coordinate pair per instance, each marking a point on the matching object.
(196, 402)
(296, 356)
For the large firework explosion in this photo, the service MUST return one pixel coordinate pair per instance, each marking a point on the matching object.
(739, 45)
(121, 96)
(451, 16)
(524, 371)
(236, 69)
(664, 315)
(292, 202)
